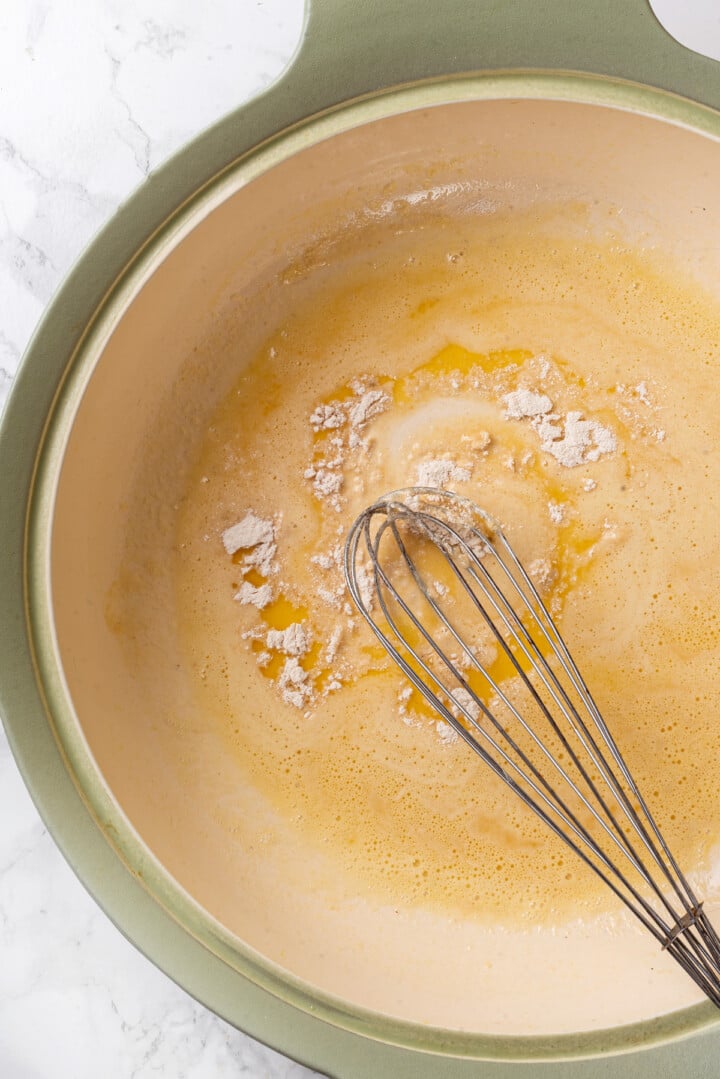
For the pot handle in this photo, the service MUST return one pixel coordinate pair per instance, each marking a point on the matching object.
(351, 48)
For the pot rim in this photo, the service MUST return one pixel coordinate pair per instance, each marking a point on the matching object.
(44, 733)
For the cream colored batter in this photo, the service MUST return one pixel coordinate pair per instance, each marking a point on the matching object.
(446, 324)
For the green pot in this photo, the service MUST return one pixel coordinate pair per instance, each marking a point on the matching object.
(365, 75)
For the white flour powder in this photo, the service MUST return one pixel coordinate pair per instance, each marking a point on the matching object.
(256, 537)
(522, 404)
(348, 419)
(293, 641)
(343, 459)
(467, 702)
(293, 683)
(256, 596)
(249, 532)
(578, 441)
(439, 472)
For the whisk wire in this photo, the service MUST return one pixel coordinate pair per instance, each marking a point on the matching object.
(692, 907)
(549, 679)
(496, 688)
(554, 803)
(547, 627)
(527, 639)
(492, 593)
(558, 805)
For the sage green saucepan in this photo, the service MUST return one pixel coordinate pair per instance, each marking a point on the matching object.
(569, 95)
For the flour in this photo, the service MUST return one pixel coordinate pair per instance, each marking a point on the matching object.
(327, 483)
(249, 532)
(261, 558)
(403, 700)
(331, 563)
(344, 465)
(642, 392)
(331, 649)
(479, 442)
(447, 735)
(440, 472)
(293, 683)
(293, 641)
(330, 597)
(332, 560)
(557, 512)
(524, 404)
(370, 404)
(573, 441)
(366, 585)
(256, 537)
(541, 573)
(578, 441)
(466, 704)
(348, 418)
(548, 427)
(405, 694)
(259, 596)
(327, 417)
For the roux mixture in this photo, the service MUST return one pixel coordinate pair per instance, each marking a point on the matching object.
(566, 387)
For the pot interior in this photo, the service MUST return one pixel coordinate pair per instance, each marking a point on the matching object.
(172, 348)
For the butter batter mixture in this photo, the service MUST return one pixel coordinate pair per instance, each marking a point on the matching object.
(566, 387)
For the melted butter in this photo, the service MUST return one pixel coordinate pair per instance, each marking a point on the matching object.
(281, 612)
(412, 820)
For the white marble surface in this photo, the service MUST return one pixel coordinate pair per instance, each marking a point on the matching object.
(94, 94)
(695, 23)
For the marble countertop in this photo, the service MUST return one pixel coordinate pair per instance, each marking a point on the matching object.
(93, 95)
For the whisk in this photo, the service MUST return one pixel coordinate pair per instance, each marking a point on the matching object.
(446, 595)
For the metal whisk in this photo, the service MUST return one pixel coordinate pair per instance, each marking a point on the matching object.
(443, 591)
